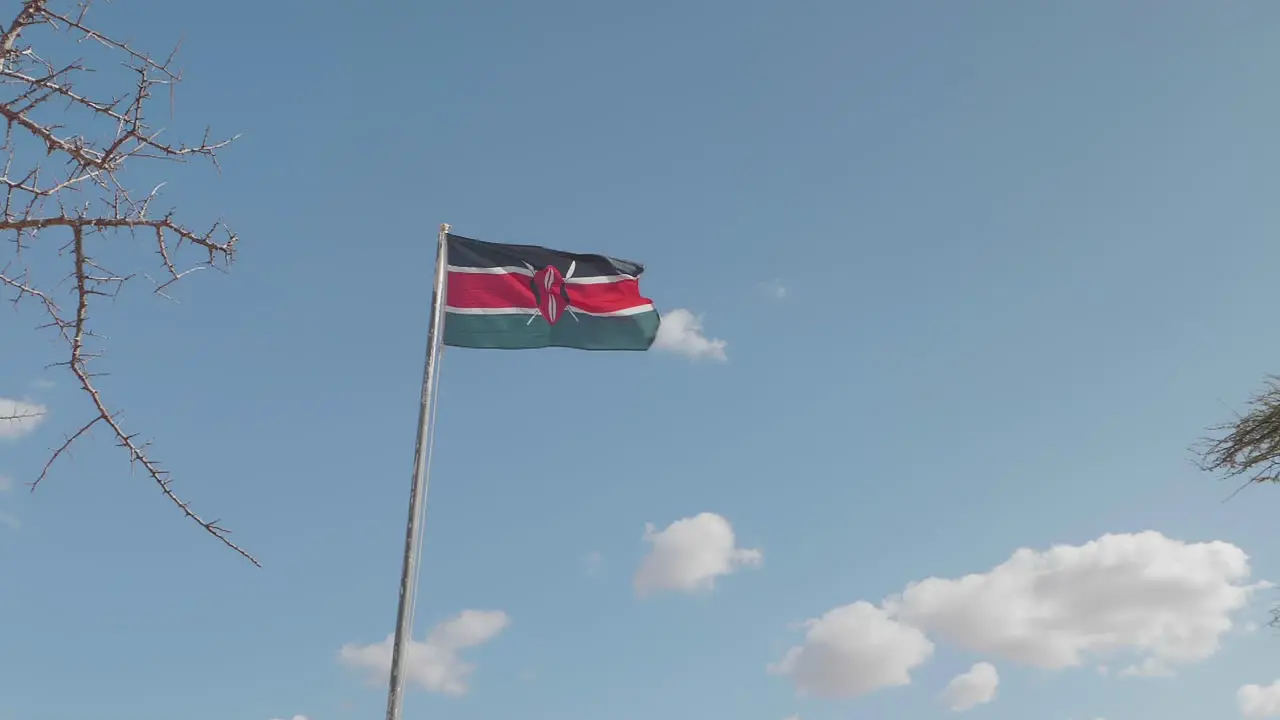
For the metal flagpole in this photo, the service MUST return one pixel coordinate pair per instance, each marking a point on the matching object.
(421, 481)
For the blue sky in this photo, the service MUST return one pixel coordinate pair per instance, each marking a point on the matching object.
(1027, 253)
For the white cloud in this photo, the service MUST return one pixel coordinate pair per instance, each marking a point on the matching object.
(690, 554)
(1149, 667)
(296, 717)
(853, 650)
(1165, 601)
(593, 561)
(775, 289)
(681, 332)
(434, 664)
(9, 521)
(1258, 701)
(1146, 598)
(18, 418)
(976, 687)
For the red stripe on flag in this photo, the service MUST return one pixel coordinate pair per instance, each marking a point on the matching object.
(492, 290)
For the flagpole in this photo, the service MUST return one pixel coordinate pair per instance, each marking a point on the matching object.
(421, 482)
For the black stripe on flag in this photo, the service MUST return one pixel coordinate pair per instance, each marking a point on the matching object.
(466, 252)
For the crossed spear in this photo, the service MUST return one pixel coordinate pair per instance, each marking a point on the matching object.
(573, 265)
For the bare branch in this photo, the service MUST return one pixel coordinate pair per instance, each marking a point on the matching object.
(87, 199)
(1248, 448)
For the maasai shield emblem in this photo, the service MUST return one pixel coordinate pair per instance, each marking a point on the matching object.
(552, 292)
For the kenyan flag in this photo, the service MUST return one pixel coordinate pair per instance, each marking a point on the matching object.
(517, 297)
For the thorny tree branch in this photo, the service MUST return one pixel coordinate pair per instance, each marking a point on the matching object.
(1248, 448)
(87, 200)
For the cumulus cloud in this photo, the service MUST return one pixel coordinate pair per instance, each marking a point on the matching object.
(681, 333)
(1259, 701)
(9, 521)
(853, 650)
(690, 554)
(1166, 601)
(1143, 598)
(19, 417)
(1149, 667)
(434, 664)
(976, 687)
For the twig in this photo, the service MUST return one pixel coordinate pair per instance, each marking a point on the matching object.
(88, 200)
(1248, 448)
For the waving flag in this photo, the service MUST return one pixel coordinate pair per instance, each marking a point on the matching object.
(517, 297)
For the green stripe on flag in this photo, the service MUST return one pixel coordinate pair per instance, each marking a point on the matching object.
(517, 332)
